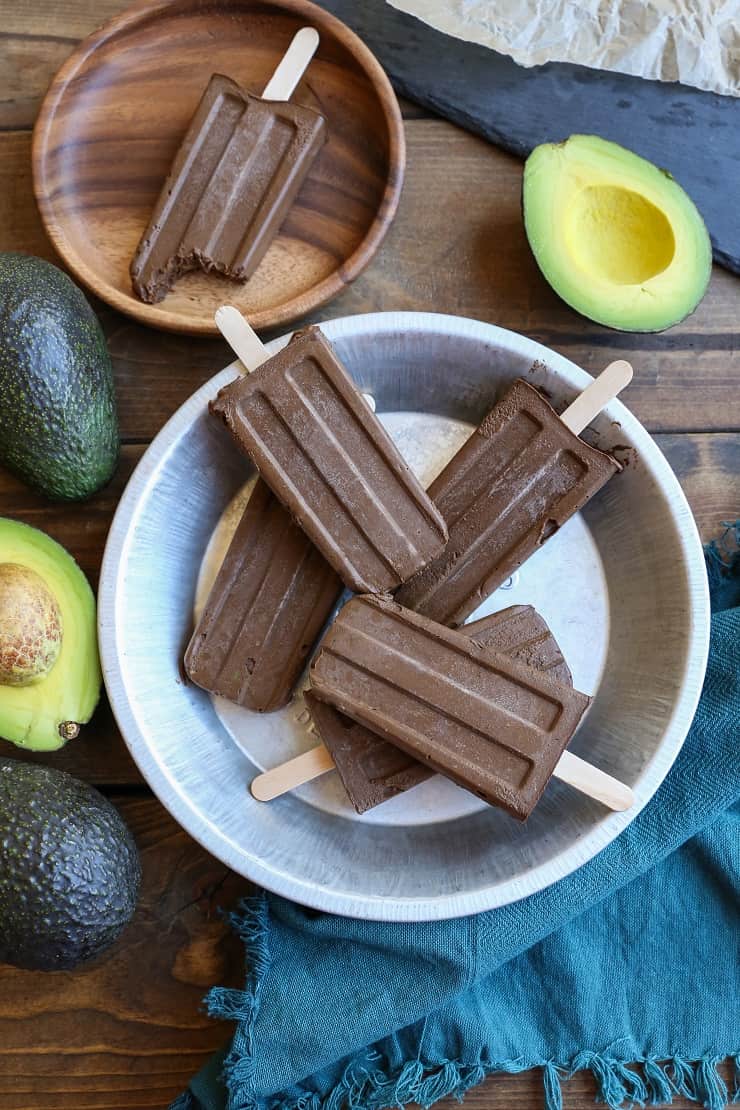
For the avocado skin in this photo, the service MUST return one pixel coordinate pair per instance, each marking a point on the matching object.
(69, 869)
(58, 424)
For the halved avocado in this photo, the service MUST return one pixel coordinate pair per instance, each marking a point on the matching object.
(46, 712)
(617, 238)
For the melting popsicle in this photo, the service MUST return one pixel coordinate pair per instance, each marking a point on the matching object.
(236, 174)
(570, 768)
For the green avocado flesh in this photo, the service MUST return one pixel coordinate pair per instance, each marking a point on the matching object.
(58, 424)
(70, 870)
(617, 238)
(43, 714)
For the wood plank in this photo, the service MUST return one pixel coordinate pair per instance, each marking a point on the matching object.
(484, 91)
(127, 1031)
(524, 1092)
(687, 379)
(29, 63)
(67, 18)
(31, 56)
(708, 467)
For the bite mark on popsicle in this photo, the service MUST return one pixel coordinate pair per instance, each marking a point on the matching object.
(234, 177)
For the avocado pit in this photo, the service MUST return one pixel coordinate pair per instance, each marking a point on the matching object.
(30, 626)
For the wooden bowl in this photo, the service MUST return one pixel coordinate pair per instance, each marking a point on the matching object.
(114, 116)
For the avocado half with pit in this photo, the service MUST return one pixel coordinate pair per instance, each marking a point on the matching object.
(617, 238)
(49, 667)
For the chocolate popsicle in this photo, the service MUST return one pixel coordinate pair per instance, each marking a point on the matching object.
(511, 485)
(272, 596)
(236, 174)
(493, 725)
(522, 633)
(373, 770)
(305, 425)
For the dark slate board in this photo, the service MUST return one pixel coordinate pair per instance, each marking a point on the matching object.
(694, 134)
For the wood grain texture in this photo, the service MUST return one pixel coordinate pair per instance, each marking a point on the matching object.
(524, 1092)
(116, 113)
(708, 468)
(685, 379)
(671, 124)
(127, 1032)
(32, 58)
(692, 133)
(71, 19)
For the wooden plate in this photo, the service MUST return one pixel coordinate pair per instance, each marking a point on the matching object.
(114, 116)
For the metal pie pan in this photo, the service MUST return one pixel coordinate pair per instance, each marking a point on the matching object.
(622, 585)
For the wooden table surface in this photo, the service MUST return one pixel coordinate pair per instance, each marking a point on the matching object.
(127, 1032)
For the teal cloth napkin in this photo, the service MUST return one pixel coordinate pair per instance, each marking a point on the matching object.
(630, 967)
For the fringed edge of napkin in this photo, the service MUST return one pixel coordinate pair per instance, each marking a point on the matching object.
(367, 1086)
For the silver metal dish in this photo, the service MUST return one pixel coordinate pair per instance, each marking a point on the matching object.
(622, 585)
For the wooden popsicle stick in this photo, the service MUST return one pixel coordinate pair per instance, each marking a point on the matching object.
(594, 783)
(247, 345)
(596, 396)
(285, 777)
(243, 340)
(251, 351)
(579, 774)
(293, 65)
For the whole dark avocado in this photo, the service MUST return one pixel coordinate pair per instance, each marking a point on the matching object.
(69, 869)
(58, 425)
